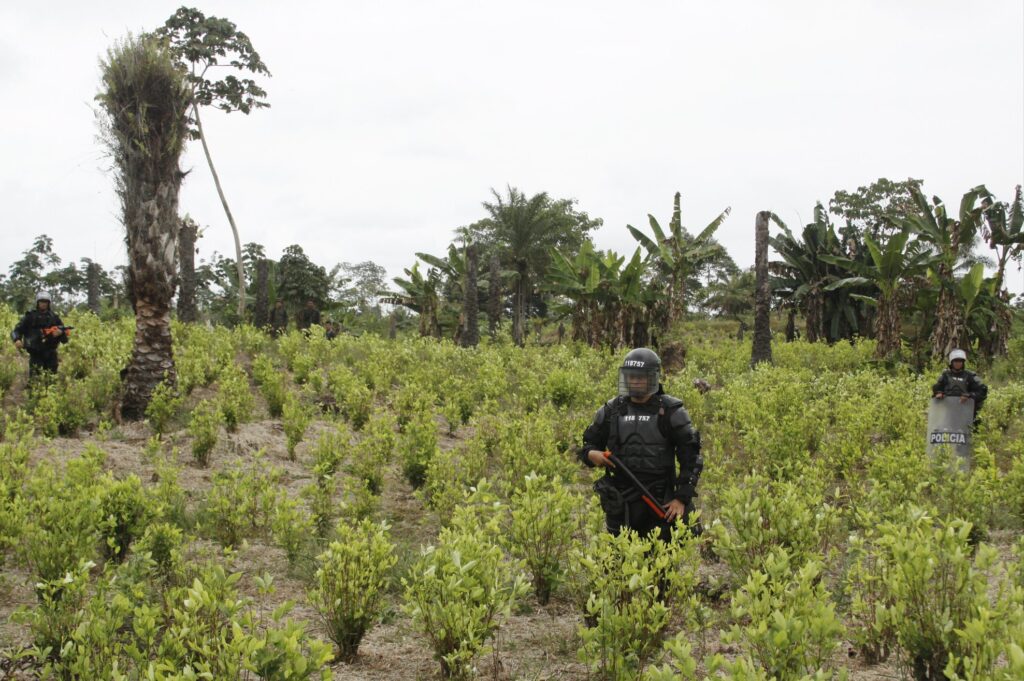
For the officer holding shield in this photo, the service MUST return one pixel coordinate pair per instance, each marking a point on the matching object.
(957, 381)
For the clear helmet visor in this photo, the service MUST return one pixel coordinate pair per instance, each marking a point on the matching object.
(638, 382)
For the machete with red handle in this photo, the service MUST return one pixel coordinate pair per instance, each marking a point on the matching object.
(645, 494)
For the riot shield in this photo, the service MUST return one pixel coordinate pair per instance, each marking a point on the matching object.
(949, 428)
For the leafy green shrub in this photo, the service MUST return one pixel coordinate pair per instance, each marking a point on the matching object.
(163, 405)
(450, 474)
(218, 634)
(545, 519)
(124, 513)
(759, 515)
(418, 446)
(459, 592)
(292, 529)
(938, 600)
(204, 428)
(58, 612)
(787, 623)
(163, 543)
(240, 502)
(8, 372)
(358, 500)
(566, 387)
(354, 399)
(272, 384)
(411, 401)
(62, 519)
(372, 453)
(234, 397)
(870, 604)
(296, 418)
(320, 497)
(677, 662)
(329, 452)
(58, 407)
(351, 579)
(633, 582)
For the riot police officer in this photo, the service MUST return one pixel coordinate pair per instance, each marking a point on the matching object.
(39, 332)
(957, 381)
(650, 432)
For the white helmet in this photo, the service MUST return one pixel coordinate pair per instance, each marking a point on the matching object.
(957, 354)
(43, 295)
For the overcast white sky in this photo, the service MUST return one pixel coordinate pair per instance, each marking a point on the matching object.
(390, 120)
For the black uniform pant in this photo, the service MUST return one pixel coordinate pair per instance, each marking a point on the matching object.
(636, 515)
(41, 362)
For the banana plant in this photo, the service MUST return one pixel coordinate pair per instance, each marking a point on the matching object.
(1004, 231)
(801, 277)
(951, 239)
(890, 268)
(607, 299)
(419, 293)
(681, 257)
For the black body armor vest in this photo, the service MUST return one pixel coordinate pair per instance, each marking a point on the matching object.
(638, 436)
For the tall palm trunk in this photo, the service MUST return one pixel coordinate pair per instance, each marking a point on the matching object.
(92, 282)
(762, 346)
(146, 102)
(261, 310)
(519, 304)
(470, 301)
(494, 297)
(187, 271)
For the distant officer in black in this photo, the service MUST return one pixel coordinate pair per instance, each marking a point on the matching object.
(308, 316)
(651, 433)
(278, 319)
(956, 381)
(39, 332)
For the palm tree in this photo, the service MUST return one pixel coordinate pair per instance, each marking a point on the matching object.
(146, 101)
(679, 255)
(731, 295)
(525, 229)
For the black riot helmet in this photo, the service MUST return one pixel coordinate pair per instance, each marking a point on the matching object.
(640, 373)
